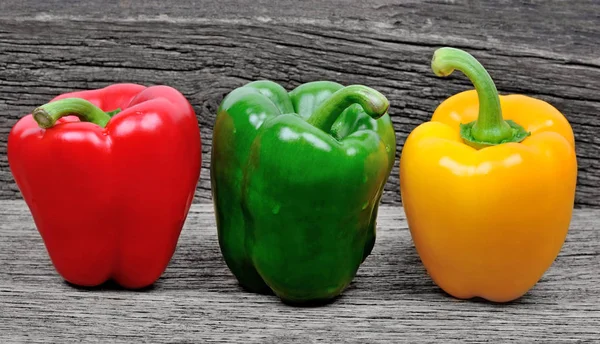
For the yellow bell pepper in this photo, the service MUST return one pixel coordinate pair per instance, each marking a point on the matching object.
(488, 187)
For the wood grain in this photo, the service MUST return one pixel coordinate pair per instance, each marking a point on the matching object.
(546, 49)
(197, 300)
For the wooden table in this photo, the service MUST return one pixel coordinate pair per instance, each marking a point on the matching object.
(546, 49)
(198, 300)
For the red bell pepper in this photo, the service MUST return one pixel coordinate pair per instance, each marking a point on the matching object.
(109, 196)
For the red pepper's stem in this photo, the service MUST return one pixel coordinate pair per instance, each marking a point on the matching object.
(47, 114)
(489, 128)
(374, 103)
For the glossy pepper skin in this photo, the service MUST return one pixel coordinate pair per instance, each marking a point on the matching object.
(109, 196)
(296, 181)
(488, 218)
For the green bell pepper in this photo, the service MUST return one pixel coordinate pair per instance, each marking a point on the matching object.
(296, 183)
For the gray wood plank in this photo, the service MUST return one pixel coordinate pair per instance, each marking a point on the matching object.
(546, 49)
(198, 300)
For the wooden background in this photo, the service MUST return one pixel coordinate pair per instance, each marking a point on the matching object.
(546, 49)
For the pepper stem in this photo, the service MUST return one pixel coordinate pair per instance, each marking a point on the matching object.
(47, 114)
(373, 103)
(490, 128)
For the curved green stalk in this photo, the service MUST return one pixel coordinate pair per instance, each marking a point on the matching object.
(489, 128)
(374, 103)
(47, 114)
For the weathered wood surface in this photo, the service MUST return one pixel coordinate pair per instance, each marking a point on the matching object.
(546, 49)
(197, 300)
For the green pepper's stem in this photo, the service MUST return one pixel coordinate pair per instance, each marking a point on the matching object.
(374, 103)
(489, 128)
(47, 114)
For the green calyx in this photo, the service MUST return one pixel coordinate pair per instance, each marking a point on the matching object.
(517, 134)
(112, 113)
(373, 103)
(47, 114)
(490, 128)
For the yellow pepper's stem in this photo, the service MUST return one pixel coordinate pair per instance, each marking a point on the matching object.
(489, 128)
